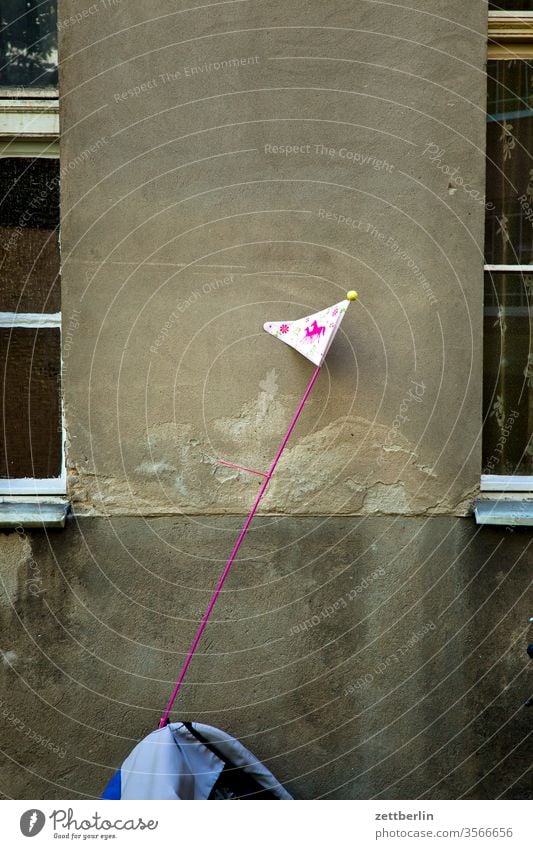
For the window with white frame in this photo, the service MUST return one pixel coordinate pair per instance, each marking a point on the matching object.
(31, 421)
(508, 348)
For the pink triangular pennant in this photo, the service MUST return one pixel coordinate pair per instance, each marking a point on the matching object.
(313, 334)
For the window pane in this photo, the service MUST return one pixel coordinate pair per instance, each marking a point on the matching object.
(28, 43)
(511, 5)
(508, 375)
(30, 426)
(29, 190)
(29, 249)
(509, 222)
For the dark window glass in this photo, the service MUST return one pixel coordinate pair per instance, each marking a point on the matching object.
(508, 347)
(29, 261)
(29, 190)
(508, 374)
(511, 5)
(28, 43)
(30, 424)
(29, 244)
(509, 221)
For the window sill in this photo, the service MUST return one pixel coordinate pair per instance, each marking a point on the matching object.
(45, 512)
(14, 92)
(503, 509)
(507, 484)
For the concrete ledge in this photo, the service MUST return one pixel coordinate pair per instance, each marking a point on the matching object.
(33, 513)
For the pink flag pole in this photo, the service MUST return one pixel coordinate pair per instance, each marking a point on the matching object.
(165, 718)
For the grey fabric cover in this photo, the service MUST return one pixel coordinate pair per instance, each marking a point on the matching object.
(172, 764)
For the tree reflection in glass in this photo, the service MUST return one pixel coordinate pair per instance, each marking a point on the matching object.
(28, 43)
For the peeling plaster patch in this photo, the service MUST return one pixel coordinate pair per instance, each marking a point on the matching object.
(386, 498)
(395, 448)
(189, 471)
(254, 428)
(331, 469)
(465, 505)
(154, 470)
(15, 552)
(180, 487)
(265, 416)
(225, 474)
(353, 486)
(234, 428)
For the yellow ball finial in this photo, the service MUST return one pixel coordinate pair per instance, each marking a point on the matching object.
(351, 295)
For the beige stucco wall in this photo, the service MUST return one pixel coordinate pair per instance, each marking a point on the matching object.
(186, 225)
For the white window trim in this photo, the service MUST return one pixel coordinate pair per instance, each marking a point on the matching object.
(527, 268)
(30, 319)
(28, 117)
(37, 486)
(508, 13)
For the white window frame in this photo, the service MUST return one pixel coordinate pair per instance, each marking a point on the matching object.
(510, 37)
(29, 128)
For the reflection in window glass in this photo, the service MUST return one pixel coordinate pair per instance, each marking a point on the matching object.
(508, 348)
(28, 43)
(509, 221)
(30, 411)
